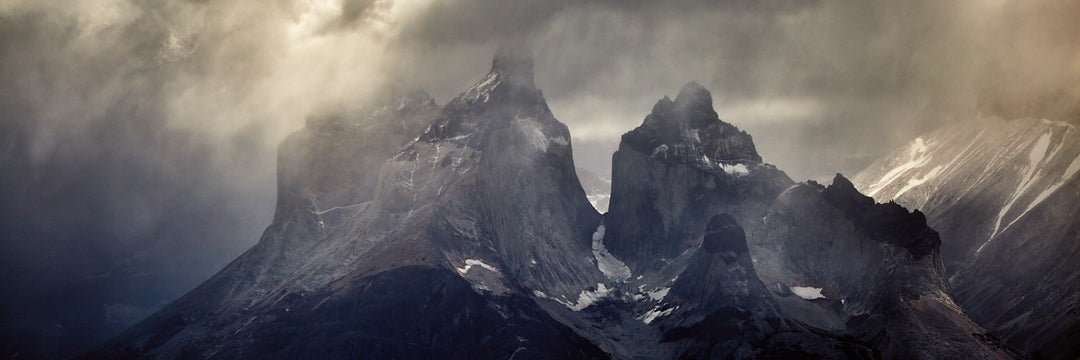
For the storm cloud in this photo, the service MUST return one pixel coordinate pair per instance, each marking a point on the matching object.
(137, 137)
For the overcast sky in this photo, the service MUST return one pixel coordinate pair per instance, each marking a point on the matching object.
(136, 127)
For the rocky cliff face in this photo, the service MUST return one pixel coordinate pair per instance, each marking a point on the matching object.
(463, 232)
(719, 308)
(685, 185)
(674, 172)
(1003, 195)
(876, 267)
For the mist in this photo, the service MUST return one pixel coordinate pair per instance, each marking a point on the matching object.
(138, 138)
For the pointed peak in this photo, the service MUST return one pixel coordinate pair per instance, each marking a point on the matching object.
(694, 94)
(723, 233)
(510, 79)
(515, 61)
(663, 106)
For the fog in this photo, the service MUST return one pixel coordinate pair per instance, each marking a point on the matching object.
(138, 137)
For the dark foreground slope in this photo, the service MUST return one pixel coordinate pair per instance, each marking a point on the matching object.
(1004, 196)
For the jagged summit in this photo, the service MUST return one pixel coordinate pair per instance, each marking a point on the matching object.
(694, 99)
(507, 94)
(514, 62)
(689, 130)
(888, 222)
(877, 271)
(510, 81)
(674, 172)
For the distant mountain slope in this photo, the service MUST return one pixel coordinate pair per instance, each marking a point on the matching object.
(1004, 196)
(597, 188)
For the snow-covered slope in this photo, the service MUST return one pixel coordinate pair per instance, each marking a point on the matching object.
(597, 188)
(1004, 196)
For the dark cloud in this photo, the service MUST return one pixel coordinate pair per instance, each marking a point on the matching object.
(137, 137)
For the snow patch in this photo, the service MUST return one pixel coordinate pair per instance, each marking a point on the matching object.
(469, 263)
(1038, 151)
(807, 292)
(736, 170)
(482, 89)
(1073, 168)
(917, 157)
(912, 183)
(656, 313)
(612, 268)
(658, 294)
(597, 201)
(660, 150)
(584, 299)
(587, 297)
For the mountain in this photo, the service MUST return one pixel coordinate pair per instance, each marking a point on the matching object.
(1003, 194)
(876, 268)
(463, 231)
(416, 248)
(684, 171)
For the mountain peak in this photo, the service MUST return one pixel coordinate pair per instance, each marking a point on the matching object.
(694, 95)
(888, 222)
(509, 81)
(515, 61)
(692, 129)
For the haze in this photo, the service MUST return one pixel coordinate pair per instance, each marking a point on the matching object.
(138, 138)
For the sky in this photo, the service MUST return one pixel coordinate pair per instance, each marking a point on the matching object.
(138, 137)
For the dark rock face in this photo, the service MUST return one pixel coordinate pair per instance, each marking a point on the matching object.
(1003, 195)
(722, 310)
(889, 223)
(723, 234)
(675, 171)
(677, 212)
(891, 289)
